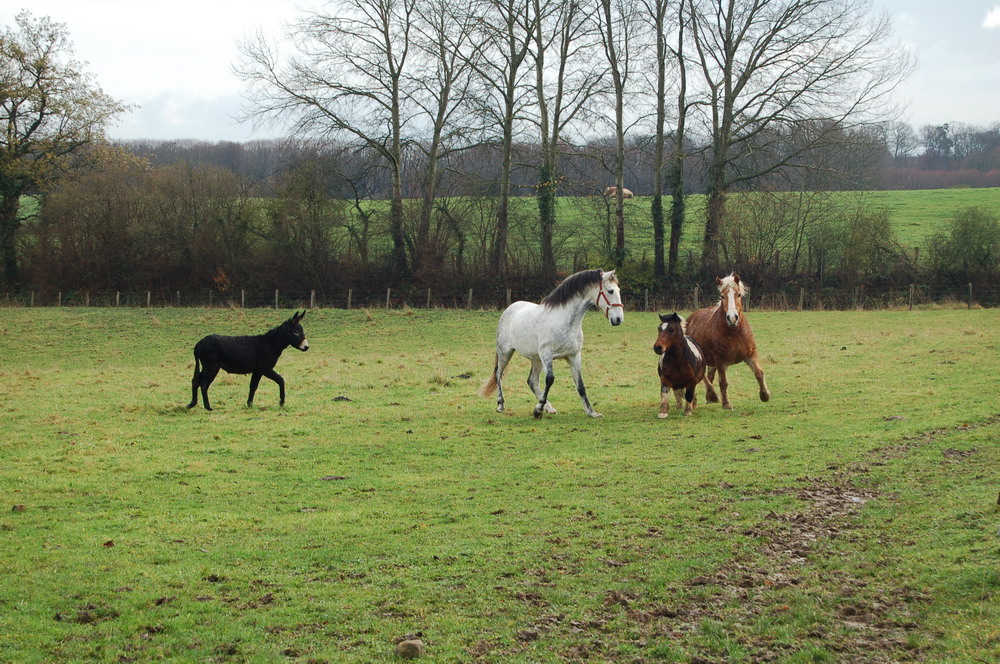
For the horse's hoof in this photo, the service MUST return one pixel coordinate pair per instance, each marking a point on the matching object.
(538, 413)
(662, 416)
(688, 412)
(499, 409)
(765, 396)
(550, 409)
(595, 414)
(727, 406)
(191, 405)
(712, 397)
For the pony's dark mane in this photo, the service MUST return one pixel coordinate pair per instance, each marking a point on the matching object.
(572, 286)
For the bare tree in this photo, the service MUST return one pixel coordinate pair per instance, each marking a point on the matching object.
(768, 64)
(347, 79)
(51, 111)
(504, 28)
(565, 84)
(441, 93)
(620, 28)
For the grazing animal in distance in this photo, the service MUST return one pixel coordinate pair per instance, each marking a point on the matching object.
(553, 330)
(681, 365)
(611, 191)
(725, 337)
(255, 355)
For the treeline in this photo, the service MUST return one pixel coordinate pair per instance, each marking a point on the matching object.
(317, 223)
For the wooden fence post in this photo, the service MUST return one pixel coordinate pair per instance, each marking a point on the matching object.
(350, 292)
(696, 297)
(647, 300)
(178, 298)
(802, 298)
(59, 299)
(243, 299)
(970, 295)
(118, 297)
(86, 299)
(387, 292)
(469, 305)
(275, 298)
(428, 298)
(911, 297)
(312, 299)
(149, 299)
(508, 297)
(32, 301)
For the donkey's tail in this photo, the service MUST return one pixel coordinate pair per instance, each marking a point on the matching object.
(490, 386)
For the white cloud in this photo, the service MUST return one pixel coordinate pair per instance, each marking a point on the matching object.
(992, 19)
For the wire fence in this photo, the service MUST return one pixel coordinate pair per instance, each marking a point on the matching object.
(791, 298)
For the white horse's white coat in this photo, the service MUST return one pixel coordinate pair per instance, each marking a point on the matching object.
(545, 332)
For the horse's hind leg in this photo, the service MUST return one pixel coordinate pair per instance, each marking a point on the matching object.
(208, 374)
(503, 358)
(536, 371)
(754, 363)
(194, 383)
(575, 366)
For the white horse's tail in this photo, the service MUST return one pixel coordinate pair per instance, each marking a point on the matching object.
(490, 386)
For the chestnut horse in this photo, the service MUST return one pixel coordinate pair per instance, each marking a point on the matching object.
(725, 337)
(681, 365)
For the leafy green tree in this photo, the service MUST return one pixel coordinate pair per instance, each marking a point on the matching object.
(969, 250)
(51, 112)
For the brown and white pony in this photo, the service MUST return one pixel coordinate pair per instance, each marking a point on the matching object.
(725, 337)
(611, 191)
(681, 365)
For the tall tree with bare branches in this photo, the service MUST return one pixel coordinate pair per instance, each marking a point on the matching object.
(346, 80)
(767, 66)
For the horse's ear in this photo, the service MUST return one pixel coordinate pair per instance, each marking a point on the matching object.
(736, 278)
(718, 281)
(608, 275)
(663, 318)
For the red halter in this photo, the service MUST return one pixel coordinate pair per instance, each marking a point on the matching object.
(600, 294)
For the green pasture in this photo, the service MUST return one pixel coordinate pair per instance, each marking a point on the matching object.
(915, 215)
(853, 518)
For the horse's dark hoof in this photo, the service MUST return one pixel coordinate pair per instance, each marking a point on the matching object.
(191, 405)
(538, 413)
(765, 396)
(207, 408)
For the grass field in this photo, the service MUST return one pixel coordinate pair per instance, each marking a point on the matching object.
(853, 518)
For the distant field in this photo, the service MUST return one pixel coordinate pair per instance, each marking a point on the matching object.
(853, 518)
(915, 215)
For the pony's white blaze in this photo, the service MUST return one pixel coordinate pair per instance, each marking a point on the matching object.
(732, 315)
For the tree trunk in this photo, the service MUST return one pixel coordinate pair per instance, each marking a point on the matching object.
(9, 207)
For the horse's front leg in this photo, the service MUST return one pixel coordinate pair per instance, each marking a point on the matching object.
(724, 388)
(574, 364)
(710, 395)
(689, 397)
(664, 401)
(536, 371)
(550, 378)
(754, 363)
(254, 382)
(273, 375)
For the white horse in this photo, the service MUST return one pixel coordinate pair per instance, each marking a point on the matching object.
(553, 330)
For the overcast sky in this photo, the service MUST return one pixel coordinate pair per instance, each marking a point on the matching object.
(174, 59)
